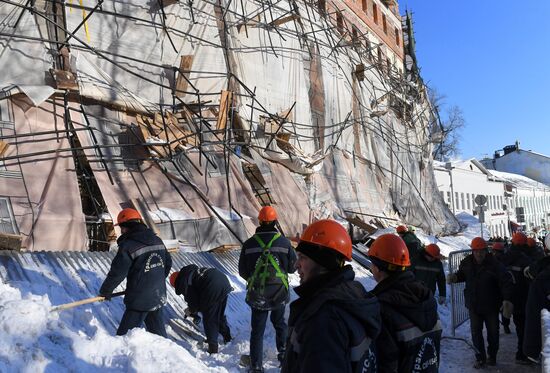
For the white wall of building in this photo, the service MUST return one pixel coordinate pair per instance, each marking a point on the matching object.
(532, 165)
(460, 182)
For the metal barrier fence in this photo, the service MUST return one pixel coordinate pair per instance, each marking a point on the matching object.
(459, 312)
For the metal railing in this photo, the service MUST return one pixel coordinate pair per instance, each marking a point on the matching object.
(459, 312)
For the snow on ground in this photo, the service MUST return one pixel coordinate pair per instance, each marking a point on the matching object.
(33, 339)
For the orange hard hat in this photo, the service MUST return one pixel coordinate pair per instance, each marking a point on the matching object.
(433, 251)
(390, 249)
(173, 278)
(127, 214)
(401, 229)
(531, 242)
(498, 246)
(267, 213)
(478, 243)
(519, 239)
(329, 234)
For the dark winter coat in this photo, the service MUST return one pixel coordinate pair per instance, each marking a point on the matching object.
(487, 284)
(431, 273)
(143, 259)
(411, 330)
(515, 262)
(281, 250)
(538, 298)
(202, 288)
(534, 253)
(413, 244)
(331, 326)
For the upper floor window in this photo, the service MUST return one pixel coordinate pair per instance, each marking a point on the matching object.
(397, 37)
(375, 13)
(384, 24)
(365, 6)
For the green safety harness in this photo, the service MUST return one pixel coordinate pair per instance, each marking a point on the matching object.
(262, 265)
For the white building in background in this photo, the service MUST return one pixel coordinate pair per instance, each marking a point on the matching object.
(528, 199)
(522, 162)
(459, 182)
(513, 201)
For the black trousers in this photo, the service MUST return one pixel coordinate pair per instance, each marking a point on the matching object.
(476, 327)
(259, 320)
(154, 321)
(214, 322)
(519, 322)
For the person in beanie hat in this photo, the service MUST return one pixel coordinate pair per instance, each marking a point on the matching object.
(205, 290)
(265, 261)
(411, 330)
(334, 321)
(144, 261)
(429, 270)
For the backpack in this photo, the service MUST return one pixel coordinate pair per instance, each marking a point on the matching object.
(267, 288)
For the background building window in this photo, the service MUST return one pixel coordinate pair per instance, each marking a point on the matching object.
(375, 13)
(7, 219)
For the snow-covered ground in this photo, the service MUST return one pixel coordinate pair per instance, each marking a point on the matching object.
(33, 339)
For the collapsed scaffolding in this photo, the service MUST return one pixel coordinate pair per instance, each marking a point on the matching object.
(197, 113)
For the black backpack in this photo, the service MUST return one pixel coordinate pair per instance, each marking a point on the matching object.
(267, 288)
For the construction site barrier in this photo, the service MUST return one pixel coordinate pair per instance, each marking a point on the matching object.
(459, 312)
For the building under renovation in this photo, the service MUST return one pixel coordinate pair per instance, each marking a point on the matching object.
(198, 113)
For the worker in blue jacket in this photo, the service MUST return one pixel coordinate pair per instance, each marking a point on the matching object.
(144, 261)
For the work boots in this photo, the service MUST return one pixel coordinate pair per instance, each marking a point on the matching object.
(212, 348)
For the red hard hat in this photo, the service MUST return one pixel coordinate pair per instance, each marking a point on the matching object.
(329, 234)
(433, 250)
(390, 249)
(128, 214)
(478, 243)
(401, 229)
(267, 214)
(498, 246)
(519, 239)
(531, 242)
(173, 278)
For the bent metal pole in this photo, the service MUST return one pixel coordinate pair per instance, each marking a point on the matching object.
(67, 306)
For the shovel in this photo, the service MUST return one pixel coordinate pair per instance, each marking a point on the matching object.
(67, 306)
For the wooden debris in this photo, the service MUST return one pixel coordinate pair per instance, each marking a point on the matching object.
(225, 248)
(65, 79)
(10, 241)
(226, 101)
(3, 147)
(183, 73)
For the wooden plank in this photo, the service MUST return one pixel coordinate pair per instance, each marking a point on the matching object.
(10, 241)
(225, 105)
(284, 20)
(183, 72)
(3, 147)
(225, 248)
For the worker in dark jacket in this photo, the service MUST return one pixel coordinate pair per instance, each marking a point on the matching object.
(411, 330)
(205, 290)
(143, 259)
(265, 261)
(498, 250)
(538, 299)
(532, 249)
(414, 245)
(334, 321)
(487, 285)
(515, 260)
(429, 270)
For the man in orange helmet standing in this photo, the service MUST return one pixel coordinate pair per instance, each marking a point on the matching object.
(411, 330)
(334, 321)
(265, 261)
(487, 285)
(429, 270)
(515, 260)
(414, 245)
(143, 259)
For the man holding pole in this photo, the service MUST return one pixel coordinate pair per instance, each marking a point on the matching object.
(143, 259)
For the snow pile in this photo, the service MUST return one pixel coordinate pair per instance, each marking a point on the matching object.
(33, 339)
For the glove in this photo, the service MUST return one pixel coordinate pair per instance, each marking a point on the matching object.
(507, 309)
(452, 278)
(442, 300)
(527, 273)
(106, 296)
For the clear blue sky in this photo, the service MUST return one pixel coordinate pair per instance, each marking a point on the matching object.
(492, 59)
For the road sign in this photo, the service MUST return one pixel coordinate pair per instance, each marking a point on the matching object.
(480, 199)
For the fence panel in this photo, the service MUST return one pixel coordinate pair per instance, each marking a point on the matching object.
(459, 312)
